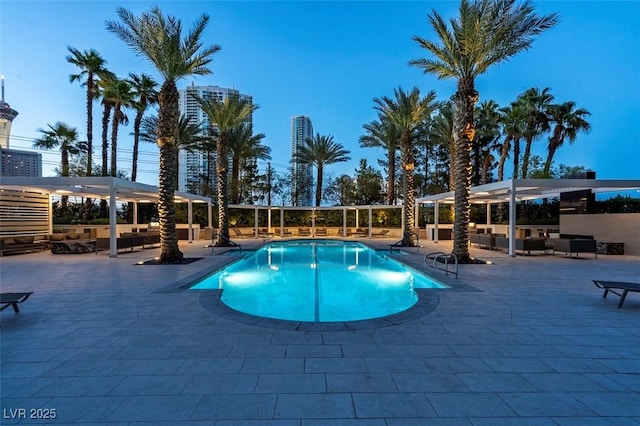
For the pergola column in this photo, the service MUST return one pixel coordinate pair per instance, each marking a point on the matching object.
(370, 219)
(190, 221)
(512, 220)
(255, 222)
(135, 212)
(113, 222)
(344, 221)
(436, 206)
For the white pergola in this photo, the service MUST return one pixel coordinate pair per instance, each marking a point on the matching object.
(103, 187)
(344, 209)
(514, 190)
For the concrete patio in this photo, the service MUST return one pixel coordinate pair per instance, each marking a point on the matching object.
(524, 341)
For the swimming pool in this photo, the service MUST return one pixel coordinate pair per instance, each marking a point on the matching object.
(317, 281)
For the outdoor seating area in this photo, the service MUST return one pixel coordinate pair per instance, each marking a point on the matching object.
(22, 244)
(570, 244)
(524, 245)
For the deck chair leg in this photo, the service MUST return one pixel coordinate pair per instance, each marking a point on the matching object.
(15, 307)
(622, 297)
(606, 291)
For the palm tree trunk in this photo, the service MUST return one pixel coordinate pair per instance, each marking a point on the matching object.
(504, 152)
(463, 132)
(547, 164)
(136, 142)
(319, 186)
(89, 123)
(221, 174)
(516, 157)
(408, 183)
(105, 141)
(391, 181)
(525, 158)
(114, 140)
(167, 129)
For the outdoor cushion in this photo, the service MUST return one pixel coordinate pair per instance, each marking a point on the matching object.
(23, 240)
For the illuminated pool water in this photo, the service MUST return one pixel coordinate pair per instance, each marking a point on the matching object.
(318, 281)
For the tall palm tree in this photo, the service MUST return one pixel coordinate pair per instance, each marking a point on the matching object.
(320, 151)
(225, 115)
(383, 134)
(536, 103)
(158, 38)
(145, 94)
(118, 93)
(65, 137)
(441, 133)
(102, 85)
(485, 33)
(244, 147)
(91, 65)
(487, 133)
(567, 122)
(407, 111)
(512, 119)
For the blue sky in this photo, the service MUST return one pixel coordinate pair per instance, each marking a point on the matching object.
(328, 60)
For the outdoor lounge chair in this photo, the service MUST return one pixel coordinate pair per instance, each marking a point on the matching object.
(241, 234)
(612, 286)
(380, 234)
(12, 299)
(321, 232)
(264, 233)
(304, 232)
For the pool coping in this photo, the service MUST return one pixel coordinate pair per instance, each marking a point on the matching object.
(428, 300)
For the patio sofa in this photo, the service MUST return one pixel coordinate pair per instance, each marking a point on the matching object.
(122, 243)
(485, 240)
(22, 244)
(148, 238)
(575, 244)
(523, 244)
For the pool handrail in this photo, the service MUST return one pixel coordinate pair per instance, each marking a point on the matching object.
(439, 254)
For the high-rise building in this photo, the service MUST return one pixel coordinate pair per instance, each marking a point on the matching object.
(20, 163)
(7, 114)
(193, 165)
(302, 180)
(14, 162)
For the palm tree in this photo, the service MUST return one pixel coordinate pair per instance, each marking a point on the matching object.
(91, 65)
(487, 133)
(159, 39)
(243, 147)
(320, 151)
(225, 115)
(65, 137)
(383, 134)
(536, 103)
(407, 112)
(118, 93)
(102, 85)
(441, 133)
(567, 122)
(487, 32)
(512, 120)
(145, 94)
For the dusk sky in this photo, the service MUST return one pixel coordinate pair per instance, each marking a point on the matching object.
(328, 60)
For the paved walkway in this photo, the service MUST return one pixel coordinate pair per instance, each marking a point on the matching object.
(525, 341)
